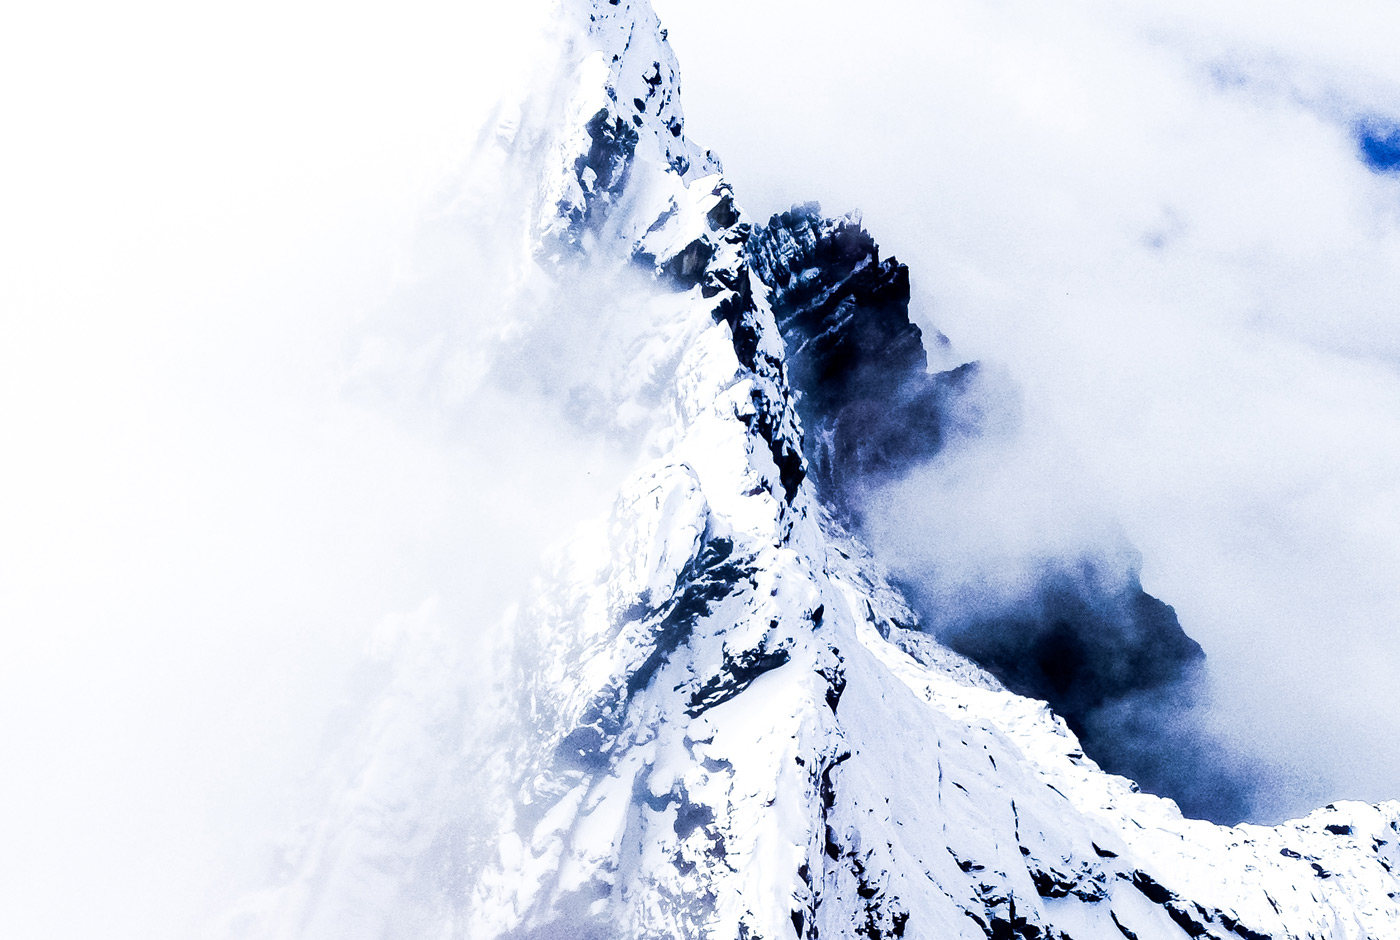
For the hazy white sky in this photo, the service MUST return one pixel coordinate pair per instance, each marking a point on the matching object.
(200, 209)
(1155, 218)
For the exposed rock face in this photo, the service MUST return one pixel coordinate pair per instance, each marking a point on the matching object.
(720, 721)
(872, 411)
(869, 404)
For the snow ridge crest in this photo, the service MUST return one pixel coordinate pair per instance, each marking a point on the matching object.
(745, 737)
(720, 720)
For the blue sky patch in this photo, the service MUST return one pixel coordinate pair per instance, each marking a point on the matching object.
(1380, 145)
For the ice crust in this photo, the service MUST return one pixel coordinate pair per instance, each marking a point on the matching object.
(716, 720)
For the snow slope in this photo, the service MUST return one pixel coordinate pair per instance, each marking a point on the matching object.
(714, 718)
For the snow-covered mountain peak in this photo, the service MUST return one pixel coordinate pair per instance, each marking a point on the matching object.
(624, 107)
(718, 717)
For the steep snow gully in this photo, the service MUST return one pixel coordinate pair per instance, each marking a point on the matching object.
(723, 721)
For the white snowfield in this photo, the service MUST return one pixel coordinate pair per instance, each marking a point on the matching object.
(717, 722)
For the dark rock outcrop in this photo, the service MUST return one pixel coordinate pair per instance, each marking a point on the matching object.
(1113, 661)
(870, 407)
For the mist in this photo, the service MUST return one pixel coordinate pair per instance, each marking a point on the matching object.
(261, 449)
(1012, 561)
(1175, 228)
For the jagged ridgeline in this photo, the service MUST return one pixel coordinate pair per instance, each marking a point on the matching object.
(818, 326)
(1108, 657)
(717, 718)
(870, 407)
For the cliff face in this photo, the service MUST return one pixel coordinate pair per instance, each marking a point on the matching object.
(719, 718)
(869, 404)
(1093, 648)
